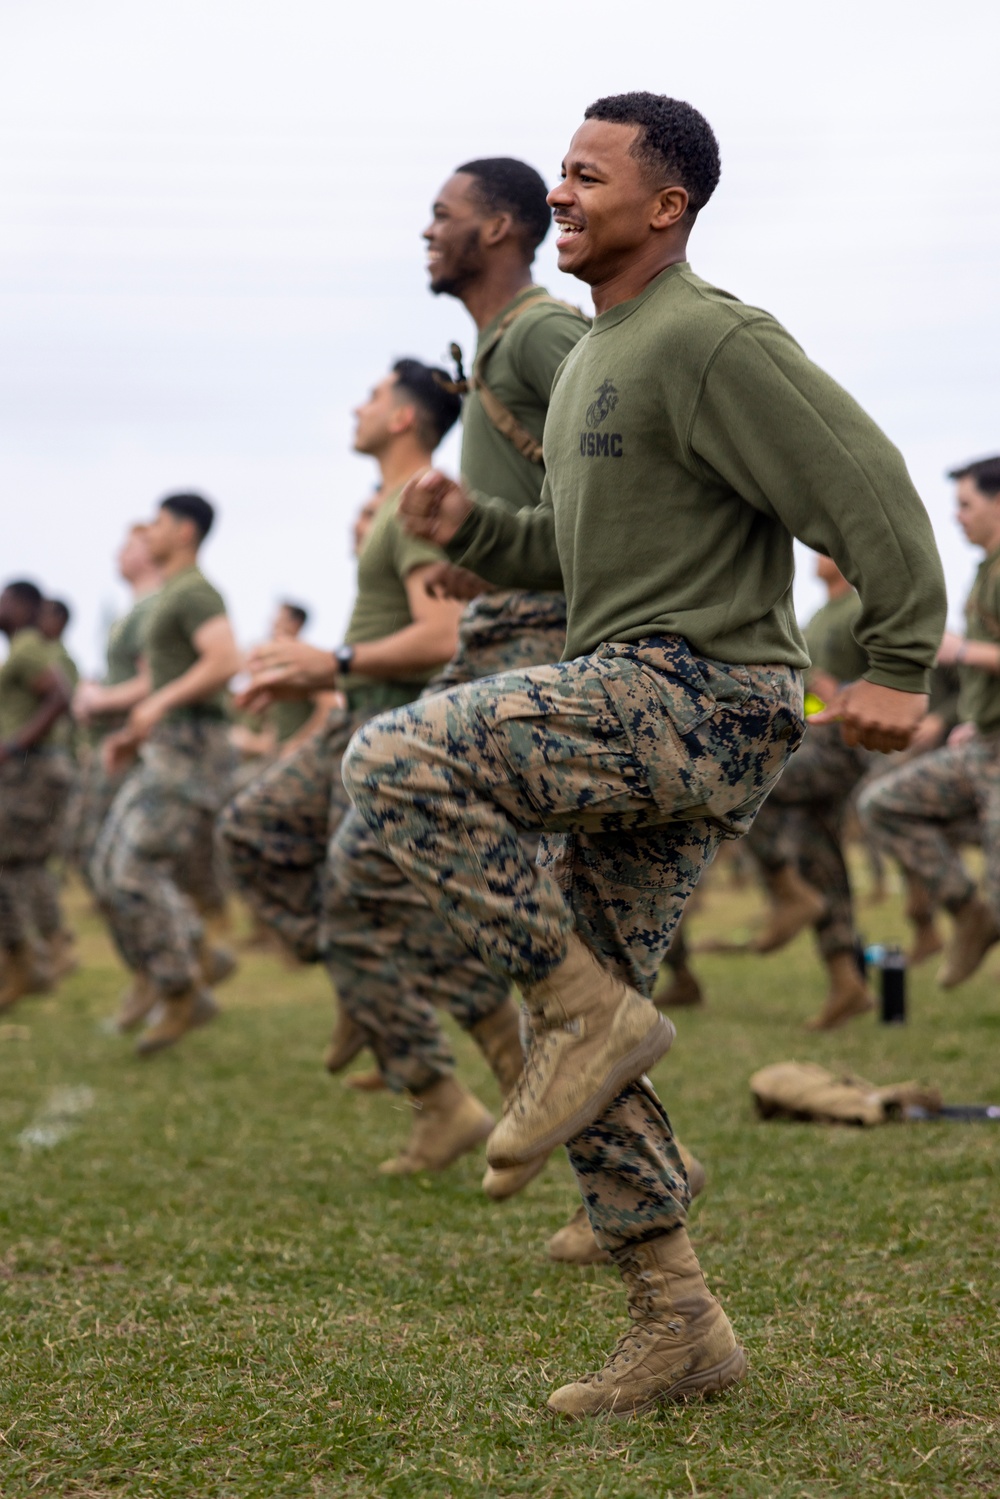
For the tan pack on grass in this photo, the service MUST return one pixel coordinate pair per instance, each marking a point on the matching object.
(805, 1090)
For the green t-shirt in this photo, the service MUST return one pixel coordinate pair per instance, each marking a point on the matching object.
(382, 606)
(288, 716)
(519, 372)
(979, 691)
(63, 733)
(184, 603)
(124, 655)
(125, 642)
(688, 440)
(29, 656)
(830, 639)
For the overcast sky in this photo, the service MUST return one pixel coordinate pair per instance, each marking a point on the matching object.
(209, 241)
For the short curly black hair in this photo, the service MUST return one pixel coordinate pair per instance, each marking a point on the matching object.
(677, 144)
(506, 185)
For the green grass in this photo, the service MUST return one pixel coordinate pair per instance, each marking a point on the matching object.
(207, 1290)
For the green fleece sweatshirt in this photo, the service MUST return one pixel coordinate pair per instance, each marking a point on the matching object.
(688, 440)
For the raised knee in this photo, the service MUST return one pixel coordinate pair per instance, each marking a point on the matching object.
(368, 749)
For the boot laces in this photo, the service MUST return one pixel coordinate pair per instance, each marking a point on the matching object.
(528, 1088)
(645, 1325)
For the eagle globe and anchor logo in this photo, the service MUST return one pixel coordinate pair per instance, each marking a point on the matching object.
(594, 444)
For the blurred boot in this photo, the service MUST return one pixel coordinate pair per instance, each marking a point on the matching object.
(176, 1015)
(448, 1121)
(848, 996)
(973, 934)
(794, 906)
(139, 998)
(680, 988)
(575, 1244)
(18, 975)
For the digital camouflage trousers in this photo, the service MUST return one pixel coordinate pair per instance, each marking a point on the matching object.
(35, 790)
(275, 833)
(921, 812)
(633, 763)
(201, 878)
(802, 823)
(156, 844)
(390, 957)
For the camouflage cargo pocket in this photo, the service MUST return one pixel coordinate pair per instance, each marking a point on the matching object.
(570, 764)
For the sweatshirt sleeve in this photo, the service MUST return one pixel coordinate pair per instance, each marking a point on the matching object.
(793, 444)
(512, 550)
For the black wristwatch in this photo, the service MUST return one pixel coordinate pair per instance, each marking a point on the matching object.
(344, 657)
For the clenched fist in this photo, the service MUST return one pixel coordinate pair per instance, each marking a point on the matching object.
(434, 507)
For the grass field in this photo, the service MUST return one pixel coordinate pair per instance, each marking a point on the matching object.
(207, 1290)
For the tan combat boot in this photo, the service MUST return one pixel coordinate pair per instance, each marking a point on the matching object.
(137, 1001)
(499, 1039)
(974, 933)
(19, 975)
(575, 1243)
(216, 963)
(177, 1014)
(62, 959)
(371, 1081)
(679, 988)
(680, 1342)
(795, 904)
(448, 1121)
(848, 996)
(501, 1182)
(347, 1040)
(920, 913)
(592, 1035)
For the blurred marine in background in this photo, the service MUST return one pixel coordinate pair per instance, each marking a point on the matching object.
(160, 830)
(914, 812)
(36, 778)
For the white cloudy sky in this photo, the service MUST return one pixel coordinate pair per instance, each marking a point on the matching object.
(210, 219)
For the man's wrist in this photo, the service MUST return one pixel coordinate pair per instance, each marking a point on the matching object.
(961, 651)
(343, 658)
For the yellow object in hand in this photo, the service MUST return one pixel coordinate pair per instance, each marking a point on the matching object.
(813, 704)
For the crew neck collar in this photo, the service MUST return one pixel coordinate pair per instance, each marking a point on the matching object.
(624, 310)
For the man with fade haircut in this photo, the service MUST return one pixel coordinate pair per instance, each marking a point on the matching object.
(35, 784)
(688, 440)
(392, 960)
(277, 831)
(161, 825)
(915, 812)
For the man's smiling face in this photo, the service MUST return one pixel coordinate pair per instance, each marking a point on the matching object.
(605, 203)
(453, 236)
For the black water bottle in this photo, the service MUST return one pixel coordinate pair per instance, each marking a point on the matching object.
(893, 987)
